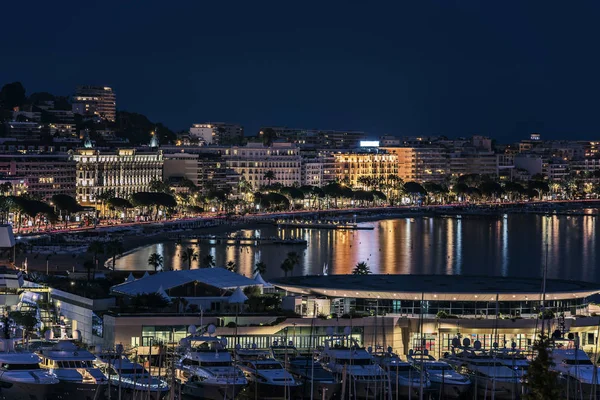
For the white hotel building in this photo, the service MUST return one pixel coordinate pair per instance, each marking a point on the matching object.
(126, 171)
(252, 162)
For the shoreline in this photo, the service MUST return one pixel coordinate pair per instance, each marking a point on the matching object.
(138, 236)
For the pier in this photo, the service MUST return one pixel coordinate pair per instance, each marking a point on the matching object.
(239, 240)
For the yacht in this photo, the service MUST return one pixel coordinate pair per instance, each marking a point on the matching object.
(130, 379)
(446, 383)
(79, 378)
(21, 377)
(354, 367)
(578, 375)
(403, 379)
(266, 376)
(489, 376)
(206, 370)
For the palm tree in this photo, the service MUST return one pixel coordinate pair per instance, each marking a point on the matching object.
(287, 266)
(114, 248)
(260, 268)
(156, 261)
(103, 198)
(96, 247)
(269, 176)
(89, 266)
(231, 267)
(208, 261)
(189, 255)
(361, 269)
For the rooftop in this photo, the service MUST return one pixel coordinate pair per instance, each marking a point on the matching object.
(435, 287)
(216, 277)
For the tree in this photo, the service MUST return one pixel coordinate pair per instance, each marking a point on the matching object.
(104, 197)
(12, 95)
(269, 176)
(208, 261)
(540, 381)
(114, 248)
(26, 320)
(287, 266)
(231, 267)
(260, 268)
(189, 255)
(268, 135)
(66, 205)
(89, 265)
(155, 261)
(96, 247)
(361, 269)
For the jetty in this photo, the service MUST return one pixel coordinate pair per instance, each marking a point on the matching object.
(324, 225)
(239, 240)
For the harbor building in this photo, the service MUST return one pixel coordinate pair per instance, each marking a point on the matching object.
(95, 101)
(126, 171)
(429, 311)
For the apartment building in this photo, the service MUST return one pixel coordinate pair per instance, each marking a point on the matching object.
(206, 170)
(125, 171)
(254, 160)
(352, 166)
(217, 133)
(44, 175)
(421, 164)
(95, 101)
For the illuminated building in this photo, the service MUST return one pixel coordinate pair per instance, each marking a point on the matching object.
(421, 164)
(204, 169)
(126, 171)
(43, 174)
(352, 166)
(253, 161)
(97, 101)
(219, 133)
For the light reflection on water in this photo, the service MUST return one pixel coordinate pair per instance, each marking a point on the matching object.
(513, 245)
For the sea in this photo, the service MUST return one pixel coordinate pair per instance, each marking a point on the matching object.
(516, 245)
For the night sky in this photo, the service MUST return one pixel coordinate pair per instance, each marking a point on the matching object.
(498, 68)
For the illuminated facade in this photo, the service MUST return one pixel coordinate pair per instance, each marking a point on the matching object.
(253, 161)
(43, 175)
(126, 171)
(352, 166)
(421, 164)
(98, 101)
(217, 133)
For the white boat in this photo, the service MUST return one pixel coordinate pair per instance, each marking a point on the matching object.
(130, 379)
(266, 376)
(578, 375)
(354, 367)
(316, 382)
(489, 376)
(403, 379)
(445, 381)
(21, 377)
(79, 378)
(207, 371)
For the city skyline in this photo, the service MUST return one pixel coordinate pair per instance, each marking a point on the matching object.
(419, 69)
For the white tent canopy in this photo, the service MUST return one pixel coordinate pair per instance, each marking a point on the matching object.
(238, 297)
(260, 281)
(163, 294)
(130, 278)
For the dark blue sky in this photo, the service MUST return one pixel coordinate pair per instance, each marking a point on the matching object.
(421, 67)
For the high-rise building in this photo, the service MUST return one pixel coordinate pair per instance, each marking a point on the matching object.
(218, 133)
(126, 171)
(97, 101)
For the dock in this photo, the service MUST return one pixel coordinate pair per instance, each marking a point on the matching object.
(239, 240)
(317, 225)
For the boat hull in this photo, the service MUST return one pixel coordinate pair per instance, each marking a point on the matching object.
(25, 391)
(266, 391)
(500, 390)
(79, 391)
(449, 390)
(366, 389)
(130, 394)
(208, 391)
(321, 390)
(572, 388)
